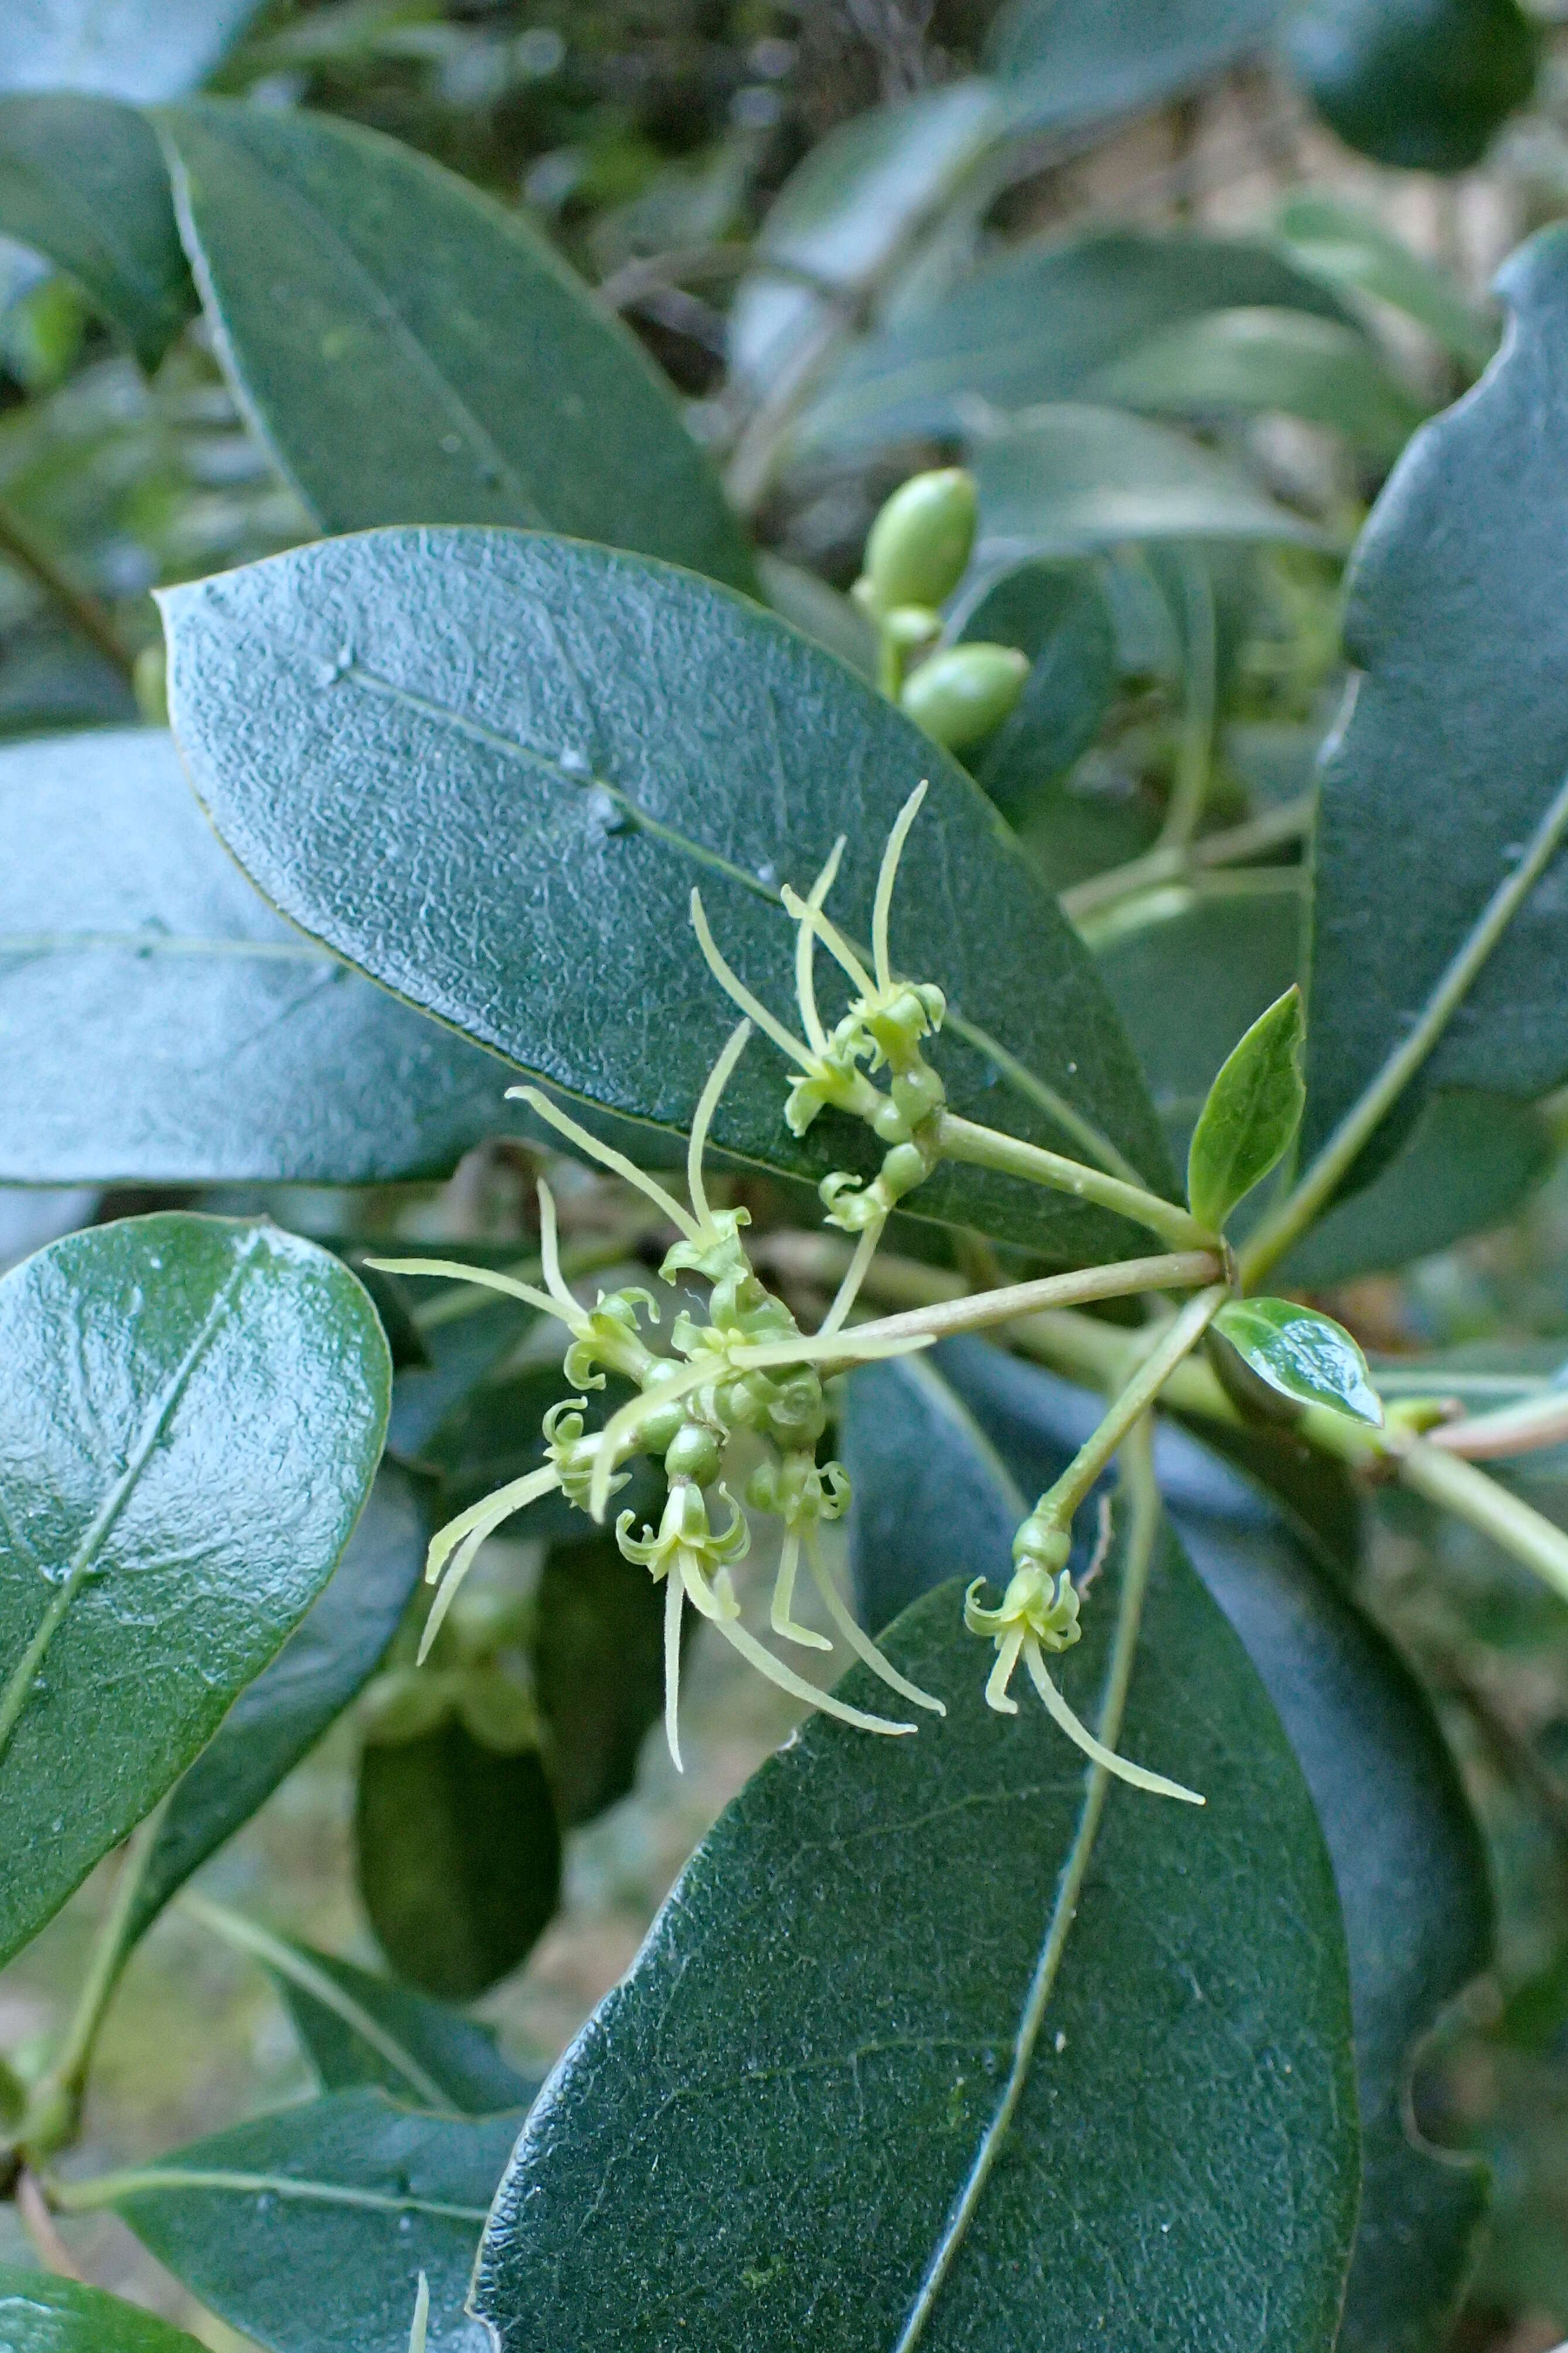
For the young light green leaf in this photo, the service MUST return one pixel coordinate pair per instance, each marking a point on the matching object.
(948, 1442)
(193, 1413)
(1253, 1109)
(1422, 84)
(459, 1857)
(1255, 360)
(548, 711)
(1452, 757)
(278, 1720)
(412, 353)
(804, 2024)
(40, 2313)
(162, 1025)
(1072, 479)
(309, 2228)
(1038, 324)
(141, 51)
(1301, 1355)
(82, 180)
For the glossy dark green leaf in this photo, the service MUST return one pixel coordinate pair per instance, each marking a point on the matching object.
(1455, 745)
(82, 180)
(1078, 66)
(1353, 252)
(309, 2228)
(1471, 1162)
(1300, 1353)
(1422, 84)
(823, 2018)
(1411, 1873)
(40, 2313)
(598, 1672)
(137, 49)
(1072, 479)
(1057, 615)
(1038, 324)
(412, 353)
(278, 1720)
(1255, 360)
(1253, 1109)
(193, 1413)
(360, 2029)
(459, 1857)
(158, 1023)
(589, 735)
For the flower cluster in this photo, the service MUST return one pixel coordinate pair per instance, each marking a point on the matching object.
(745, 1365)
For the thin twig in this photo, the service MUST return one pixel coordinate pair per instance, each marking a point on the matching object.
(82, 609)
(33, 2209)
(1171, 863)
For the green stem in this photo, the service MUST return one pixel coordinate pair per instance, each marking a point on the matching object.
(1194, 755)
(889, 665)
(977, 1310)
(1175, 1342)
(988, 1147)
(53, 2112)
(1458, 1487)
(1322, 1180)
(1172, 863)
(1138, 1476)
(84, 611)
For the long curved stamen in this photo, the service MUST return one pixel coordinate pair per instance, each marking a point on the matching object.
(886, 878)
(674, 1595)
(525, 1489)
(607, 1158)
(735, 989)
(806, 950)
(484, 1519)
(832, 939)
(854, 1276)
(622, 1424)
(484, 1276)
(550, 1251)
(996, 1694)
(756, 1655)
(417, 2334)
(779, 1617)
(1123, 1770)
(857, 1639)
(702, 1119)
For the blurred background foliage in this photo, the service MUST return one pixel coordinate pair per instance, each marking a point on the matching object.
(860, 236)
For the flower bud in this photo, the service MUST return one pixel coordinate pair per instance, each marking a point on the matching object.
(694, 1453)
(963, 694)
(920, 543)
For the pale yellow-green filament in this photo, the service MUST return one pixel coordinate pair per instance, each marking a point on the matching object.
(735, 989)
(607, 1158)
(857, 1639)
(702, 1120)
(487, 1278)
(550, 1252)
(806, 950)
(779, 1617)
(1000, 1675)
(887, 876)
(1123, 1770)
(854, 1275)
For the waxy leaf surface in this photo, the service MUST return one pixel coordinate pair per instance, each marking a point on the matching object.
(278, 1720)
(823, 2017)
(413, 353)
(192, 1417)
(311, 2228)
(137, 49)
(1456, 743)
(1301, 1354)
(1410, 1872)
(82, 180)
(159, 1024)
(550, 745)
(42, 2313)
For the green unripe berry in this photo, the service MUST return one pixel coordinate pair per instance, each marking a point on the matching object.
(659, 1427)
(905, 1167)
(963, 694)
(919, 545)
(1041, 1544)
(694, 1453)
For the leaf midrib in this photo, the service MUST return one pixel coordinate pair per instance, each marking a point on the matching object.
(19, 1684)
(144, 944)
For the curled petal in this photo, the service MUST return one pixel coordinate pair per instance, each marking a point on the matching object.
(996, 1694)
